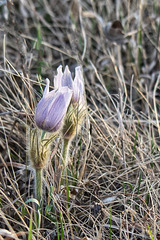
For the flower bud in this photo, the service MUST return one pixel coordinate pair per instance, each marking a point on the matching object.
(52, 108)
(73, 121)
(76, 110)
(38, 149)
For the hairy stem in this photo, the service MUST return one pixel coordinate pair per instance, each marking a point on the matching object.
(65, 152)
(38, 187)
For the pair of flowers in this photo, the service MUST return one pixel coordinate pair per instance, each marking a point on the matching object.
(54, 105)
(60, 110)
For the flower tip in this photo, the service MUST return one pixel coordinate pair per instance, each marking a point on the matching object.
(47, 81)
(67, 71)
(78, 72)
(59, 69)
(58, 77)
(66, 68)
(78, 68)
(46, 90)
(67, 78)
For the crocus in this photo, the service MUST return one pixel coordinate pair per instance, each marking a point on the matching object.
(76, 85)
(54, 105)
(52, 108)
(76, 110)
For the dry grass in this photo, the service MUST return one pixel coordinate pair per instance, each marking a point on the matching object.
(115, 162)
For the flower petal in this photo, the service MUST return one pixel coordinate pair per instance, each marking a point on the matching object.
(58, 78)
(58, 109)
(46, 90)
(78, 85)
(52, 109)
(67, 78)
(42, 108)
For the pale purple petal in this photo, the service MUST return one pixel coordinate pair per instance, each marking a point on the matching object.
(67, 78)
(42, 108)
(58, 110)
(58, 78)
(46, 90)
(78, 85)
(52, 109)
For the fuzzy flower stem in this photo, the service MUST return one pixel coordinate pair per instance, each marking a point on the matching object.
(38, 187)
(65, 152)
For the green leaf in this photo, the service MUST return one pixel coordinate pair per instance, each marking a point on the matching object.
(30, 229)
(62, 232)
(28, 201)
(67, 187)
(39, 37)
(150, 232)
(34, 200)
(129, 184)
(57, 231)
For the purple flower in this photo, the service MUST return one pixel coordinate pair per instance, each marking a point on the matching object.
(65, 80)
(52, 108)
(76, 111)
